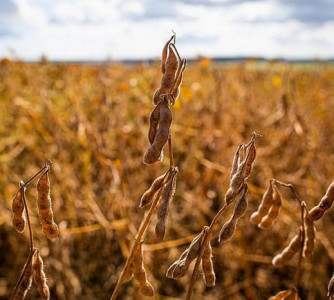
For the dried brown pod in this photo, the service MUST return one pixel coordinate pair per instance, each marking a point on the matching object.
(237, 180)
(310, 234)
(154, 122)
(162, 211)
(227, 231)
(241, 205)
(268, 220)
(128, 273)
(165, 54)
(287, 254)
(157, 184)
(242, 154)
(330, 289)
(235, 162)
(239, 210)
(140, 273)
(196, 244)
(235, 189)
(263, 209)
(180, 269)
(325, 204)
(25, 283)
(250, 158)
(154, 152)
(171, 269)
(241, 173)
(178, 81)
(207, 266)
(282, 295)
(19, 218)
(39, 276)
(172, 62)
(316, 213)
(45, 212)
(168, 79)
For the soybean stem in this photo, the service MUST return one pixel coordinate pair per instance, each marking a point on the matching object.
(170, 149)
(291, 187)
(177, 76)
(298, 271)
(177, 52)
(47, 166)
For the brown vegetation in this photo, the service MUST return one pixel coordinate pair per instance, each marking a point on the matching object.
(92, 122)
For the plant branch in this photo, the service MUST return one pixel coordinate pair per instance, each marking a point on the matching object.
(298, 271)
(293, 190)
(170, 149)
(47, 166)
(177, 52)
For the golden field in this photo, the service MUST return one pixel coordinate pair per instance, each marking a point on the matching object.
(92, 122)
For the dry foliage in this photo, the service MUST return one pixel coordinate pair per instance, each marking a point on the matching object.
(92, 122)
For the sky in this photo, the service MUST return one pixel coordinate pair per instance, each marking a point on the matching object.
(133, 29)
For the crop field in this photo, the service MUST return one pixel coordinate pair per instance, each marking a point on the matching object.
(92, 122)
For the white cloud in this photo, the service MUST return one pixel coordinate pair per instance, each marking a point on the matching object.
(84, 29)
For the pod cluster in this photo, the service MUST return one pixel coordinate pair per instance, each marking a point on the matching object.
(162, 188)
(172, 67)
(34, 267)
(242, 166)
(241, 169)
(180, 267)
(268, 212)
(269, 208)
(44, 203)
(137, 269)
(33, 270)
(161, 117)
(25, 284)
(228, 229)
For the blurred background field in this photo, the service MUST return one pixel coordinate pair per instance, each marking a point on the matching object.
(92, 122)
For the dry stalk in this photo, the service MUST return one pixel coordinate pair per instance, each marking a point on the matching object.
(241, 169)
(25, 279)
(303, 211)
(162, 190)
(304, 241)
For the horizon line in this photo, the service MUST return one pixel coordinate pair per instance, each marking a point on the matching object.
(152, 60)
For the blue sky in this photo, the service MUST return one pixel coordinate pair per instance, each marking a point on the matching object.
(132, 29)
